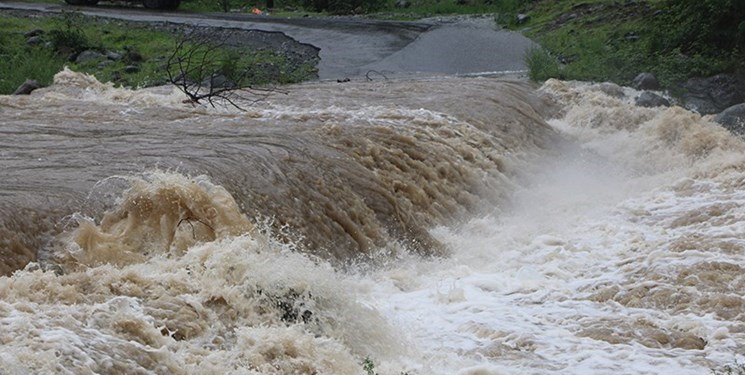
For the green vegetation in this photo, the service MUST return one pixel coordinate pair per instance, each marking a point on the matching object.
(369, 367)
(732, 369)
(541, 65)
(607, 40)
(590, 40)
(129, 54)
(17, 65)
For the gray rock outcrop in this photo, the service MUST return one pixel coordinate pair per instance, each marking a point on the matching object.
(650, 99)
(713, 94)
(87, 55)
(27, 87)
(645, 81)
(733, 119)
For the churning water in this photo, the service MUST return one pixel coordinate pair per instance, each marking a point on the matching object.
(433, 226)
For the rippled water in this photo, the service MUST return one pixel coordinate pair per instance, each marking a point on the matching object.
(432, 226)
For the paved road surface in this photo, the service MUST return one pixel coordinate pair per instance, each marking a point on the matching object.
(352, 47)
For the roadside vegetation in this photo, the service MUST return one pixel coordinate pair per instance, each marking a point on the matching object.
(127, 54)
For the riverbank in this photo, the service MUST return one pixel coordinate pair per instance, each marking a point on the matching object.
(36, 45)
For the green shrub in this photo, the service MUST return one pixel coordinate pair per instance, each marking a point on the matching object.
(541, 65)
(68, 37)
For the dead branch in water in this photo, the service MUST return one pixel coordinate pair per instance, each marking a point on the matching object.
(208, 70)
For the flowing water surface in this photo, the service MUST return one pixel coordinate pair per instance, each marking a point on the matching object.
(430, 226)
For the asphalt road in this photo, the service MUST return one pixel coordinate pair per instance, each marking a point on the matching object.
(353, 47)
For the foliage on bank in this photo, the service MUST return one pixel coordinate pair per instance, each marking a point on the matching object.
(127, 54)
(606, 40)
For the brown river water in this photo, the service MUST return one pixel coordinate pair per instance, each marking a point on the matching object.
(431, 226)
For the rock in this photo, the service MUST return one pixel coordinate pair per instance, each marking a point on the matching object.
(522, 18)
(34, 40)
(270, 71)
(733, 119)
(113, 55)
(713, 94)
(104, 64)
(645, 81)
(134, 57)
(34, 32)
(650, 99)
(611, 89)
(631, 37)
(26, 87)
(86, 56)
(218, 81)
(129, 69)
(402, 4)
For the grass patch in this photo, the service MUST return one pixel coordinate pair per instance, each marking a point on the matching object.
(16, 66)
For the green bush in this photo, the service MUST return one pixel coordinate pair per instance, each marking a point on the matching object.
(68, 37)
(541, 65)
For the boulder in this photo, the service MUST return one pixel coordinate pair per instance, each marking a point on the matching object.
(611, 89)
(522, 18)
(733, 119)
(86, 56)
(645, 81)
(26, 87)
(134, 57)
(129, 69)
(113, 55)
(650, 99)
(713, 94)
(104, 64)
(218, 81)
(34, 32)
(34, 40)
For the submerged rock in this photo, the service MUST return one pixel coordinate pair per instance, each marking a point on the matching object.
(650, 99)
(611, 89)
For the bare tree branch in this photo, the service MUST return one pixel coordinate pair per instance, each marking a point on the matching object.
(208, 70)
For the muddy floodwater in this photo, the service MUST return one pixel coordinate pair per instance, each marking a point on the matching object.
(421, 226)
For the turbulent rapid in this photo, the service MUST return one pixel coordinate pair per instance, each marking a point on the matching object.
(432, 226)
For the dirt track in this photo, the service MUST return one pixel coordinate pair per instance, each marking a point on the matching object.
(352, 47)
